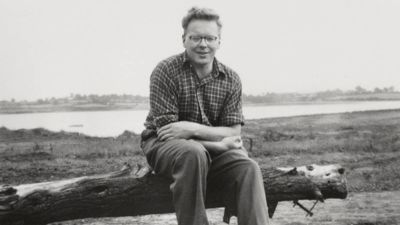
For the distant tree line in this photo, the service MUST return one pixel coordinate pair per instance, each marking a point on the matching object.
(108, 99)
(316, 96)
(361, 90)
(111, 99)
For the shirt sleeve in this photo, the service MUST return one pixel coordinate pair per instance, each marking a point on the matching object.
(232, 112)
(163, 98)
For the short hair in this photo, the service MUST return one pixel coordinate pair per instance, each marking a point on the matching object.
(196, 13)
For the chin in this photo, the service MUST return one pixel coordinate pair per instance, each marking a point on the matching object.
(203, 61)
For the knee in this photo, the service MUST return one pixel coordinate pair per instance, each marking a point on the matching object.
(243, 162)
(251, 167)
(193, 153)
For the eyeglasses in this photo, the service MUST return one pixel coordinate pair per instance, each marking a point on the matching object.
(208, 39)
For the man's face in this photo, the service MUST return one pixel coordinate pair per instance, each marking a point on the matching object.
(201, 41)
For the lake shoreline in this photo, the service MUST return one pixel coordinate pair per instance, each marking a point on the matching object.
(137, 107)
(247, 121)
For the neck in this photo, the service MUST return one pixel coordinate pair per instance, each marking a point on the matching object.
(203, 70)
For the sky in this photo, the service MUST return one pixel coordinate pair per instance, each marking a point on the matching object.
(54, 48)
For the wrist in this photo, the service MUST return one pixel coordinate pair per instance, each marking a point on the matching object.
(222, 146)
(195, 132)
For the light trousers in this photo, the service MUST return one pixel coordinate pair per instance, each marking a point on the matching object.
(191, 168)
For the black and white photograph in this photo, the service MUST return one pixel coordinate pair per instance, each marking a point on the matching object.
(278, 112)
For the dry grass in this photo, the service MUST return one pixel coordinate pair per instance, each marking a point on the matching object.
(367, 144)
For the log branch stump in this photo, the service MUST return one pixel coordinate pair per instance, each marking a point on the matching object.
(133, 192)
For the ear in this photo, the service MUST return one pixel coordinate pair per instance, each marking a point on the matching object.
(219, 43)
(219, 40)
(183, 39)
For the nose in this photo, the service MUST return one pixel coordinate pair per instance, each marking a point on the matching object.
(341, 170)
(203, 42)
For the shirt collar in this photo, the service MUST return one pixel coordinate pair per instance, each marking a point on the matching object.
(216, 64)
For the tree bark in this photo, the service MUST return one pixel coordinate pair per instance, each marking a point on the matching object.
(127, 193)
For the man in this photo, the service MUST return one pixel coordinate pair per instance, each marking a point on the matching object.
(193, 128)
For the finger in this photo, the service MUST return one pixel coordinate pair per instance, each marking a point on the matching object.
(160, 137)
(237, 140)
(164, 132)
(166, 137)
(163, 128)
(170, 138)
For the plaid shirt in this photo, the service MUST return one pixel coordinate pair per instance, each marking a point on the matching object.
(177, 94)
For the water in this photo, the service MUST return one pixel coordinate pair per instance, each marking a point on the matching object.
(113, 123)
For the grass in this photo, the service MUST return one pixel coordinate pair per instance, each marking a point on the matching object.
(367, 144)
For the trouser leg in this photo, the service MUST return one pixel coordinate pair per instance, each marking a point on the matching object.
(187, 163)
(240, 180)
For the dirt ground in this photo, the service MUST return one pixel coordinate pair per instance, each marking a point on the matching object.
(366, 208)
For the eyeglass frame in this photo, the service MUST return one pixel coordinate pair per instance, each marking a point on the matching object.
(209, 39)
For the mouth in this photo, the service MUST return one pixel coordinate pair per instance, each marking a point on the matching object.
(202, 53)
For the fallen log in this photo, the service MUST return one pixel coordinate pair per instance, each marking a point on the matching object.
(139, 192)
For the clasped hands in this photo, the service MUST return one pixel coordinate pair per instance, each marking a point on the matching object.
(188, 130)
(177, 130)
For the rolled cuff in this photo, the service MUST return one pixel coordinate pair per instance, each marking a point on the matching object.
(232, 119)
(161, 121)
